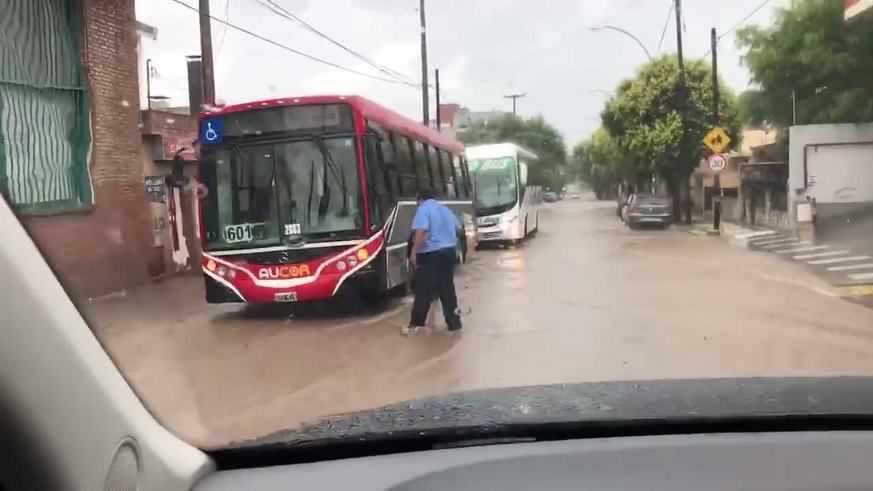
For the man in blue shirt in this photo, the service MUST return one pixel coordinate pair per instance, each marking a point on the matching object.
(433, 254)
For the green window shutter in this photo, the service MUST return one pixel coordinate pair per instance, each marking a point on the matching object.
(44, 111)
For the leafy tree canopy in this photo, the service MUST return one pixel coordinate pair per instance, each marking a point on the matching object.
(645, 116)
(602, 163)
(812, 53)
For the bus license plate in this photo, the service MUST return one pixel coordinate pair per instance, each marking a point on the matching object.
(286, 297)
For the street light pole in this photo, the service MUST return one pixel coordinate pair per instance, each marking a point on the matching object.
(514, 98)
(626, 33)
(683, 97)
(439, 122)
(716, 122)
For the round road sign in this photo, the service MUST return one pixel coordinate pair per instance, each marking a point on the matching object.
(717, 162)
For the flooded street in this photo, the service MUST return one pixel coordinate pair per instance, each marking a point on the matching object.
(585, 300)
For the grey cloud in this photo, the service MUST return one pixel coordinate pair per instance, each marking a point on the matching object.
(544, 48)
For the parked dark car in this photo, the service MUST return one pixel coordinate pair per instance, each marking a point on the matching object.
(646, 209)
(550, 196)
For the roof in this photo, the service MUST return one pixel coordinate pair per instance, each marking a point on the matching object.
(498, 150)
(368, 109)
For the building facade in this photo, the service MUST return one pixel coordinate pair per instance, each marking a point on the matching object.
(69, 139)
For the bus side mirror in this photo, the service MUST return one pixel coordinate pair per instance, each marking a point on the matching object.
(524, 175)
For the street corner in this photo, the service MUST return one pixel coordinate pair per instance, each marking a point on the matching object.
(741, 237)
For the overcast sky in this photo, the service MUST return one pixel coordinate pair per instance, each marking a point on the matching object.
(484, 49)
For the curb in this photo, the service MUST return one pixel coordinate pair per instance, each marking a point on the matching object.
(861, 290)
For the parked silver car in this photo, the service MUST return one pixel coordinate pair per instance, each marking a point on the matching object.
(646, 209)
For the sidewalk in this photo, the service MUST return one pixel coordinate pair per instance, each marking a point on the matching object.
(845, 265)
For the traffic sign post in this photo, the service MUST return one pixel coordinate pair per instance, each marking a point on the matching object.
(717, 140)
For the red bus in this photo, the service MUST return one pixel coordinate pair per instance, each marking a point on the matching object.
(308, 198)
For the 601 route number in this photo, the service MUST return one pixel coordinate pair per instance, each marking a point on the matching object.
(238, 233)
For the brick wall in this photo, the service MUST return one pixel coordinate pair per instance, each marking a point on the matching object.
(103, 249)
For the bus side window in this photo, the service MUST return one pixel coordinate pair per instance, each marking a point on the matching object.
(522, 179)
(405, 165)
(436, 173)
(466, 171)
(448, 171)
(421, 166)
(385, 150)
(377, 191)
(462, 181)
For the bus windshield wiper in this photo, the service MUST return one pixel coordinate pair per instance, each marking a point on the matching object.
(337, 172)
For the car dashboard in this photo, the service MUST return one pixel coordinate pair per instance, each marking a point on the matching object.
(808, 460)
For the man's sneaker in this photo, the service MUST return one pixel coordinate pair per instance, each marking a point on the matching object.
(410, 329)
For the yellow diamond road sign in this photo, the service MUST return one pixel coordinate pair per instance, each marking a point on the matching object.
(717, 140)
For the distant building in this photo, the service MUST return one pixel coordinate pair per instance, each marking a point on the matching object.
(449, 119)
(469, 118)
(456, 119)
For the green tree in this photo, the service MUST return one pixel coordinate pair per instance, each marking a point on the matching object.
(645, 118)
(812, 56)
(534, 134)
(603, 164)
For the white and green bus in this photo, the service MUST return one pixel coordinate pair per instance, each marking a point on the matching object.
(506, 207)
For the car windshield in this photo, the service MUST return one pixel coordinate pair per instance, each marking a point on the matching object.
(278, 217)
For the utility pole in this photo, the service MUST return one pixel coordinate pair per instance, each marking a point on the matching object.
(425, 105)
(515, 98)
(682, 109)
(439, 125)
(206, 54)
(716, 122)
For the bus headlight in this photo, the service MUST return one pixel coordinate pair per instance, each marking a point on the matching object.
(340, 265)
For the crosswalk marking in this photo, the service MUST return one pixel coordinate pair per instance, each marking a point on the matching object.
(837, 260)
(861, 276)
(792, 244)
(820, 255)
(802, 249)
(773, 241)
(851, 267)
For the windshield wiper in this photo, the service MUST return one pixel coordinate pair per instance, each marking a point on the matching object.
(337, 172)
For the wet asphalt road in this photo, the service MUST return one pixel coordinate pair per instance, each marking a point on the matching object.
(585, 300)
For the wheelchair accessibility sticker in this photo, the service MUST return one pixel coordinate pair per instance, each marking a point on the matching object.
(211, 133)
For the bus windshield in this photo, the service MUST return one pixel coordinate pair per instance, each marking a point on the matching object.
(280, 193)
(496, 182)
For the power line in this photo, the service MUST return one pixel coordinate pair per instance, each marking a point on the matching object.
(277, 9)
(666, 25)
(292, 50)
(744, 19)
(738, 24)
(226, 18)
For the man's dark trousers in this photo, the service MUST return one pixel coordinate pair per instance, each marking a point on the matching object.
(435, 274)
